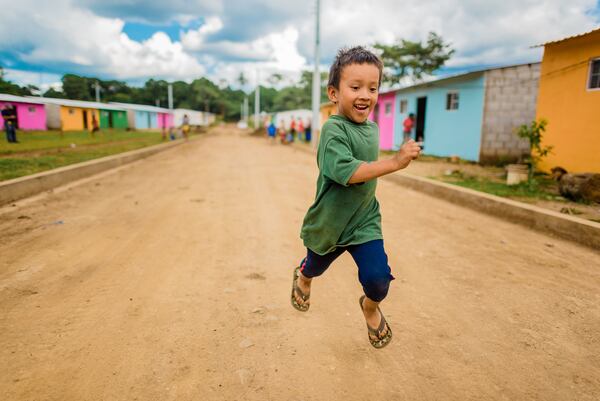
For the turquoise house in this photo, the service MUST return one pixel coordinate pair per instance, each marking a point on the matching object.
(473, 115)
(146, 117)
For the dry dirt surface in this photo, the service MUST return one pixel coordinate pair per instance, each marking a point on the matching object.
(169, 279)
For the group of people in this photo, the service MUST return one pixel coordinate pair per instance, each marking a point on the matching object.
(9, 115)
(297, 132)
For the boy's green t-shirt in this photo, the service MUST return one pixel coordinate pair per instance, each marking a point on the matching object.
(343, 214)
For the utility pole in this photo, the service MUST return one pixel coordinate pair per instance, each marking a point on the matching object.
(170, 94)
(97, 86)
(246, 109)
(316, 84)
(257, 100)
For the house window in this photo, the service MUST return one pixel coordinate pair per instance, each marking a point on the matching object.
(403, 106)
(452, 101)
(31, 109)
(594, 81)
(388, 109)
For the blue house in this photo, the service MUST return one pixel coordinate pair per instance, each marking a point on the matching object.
(473, 115)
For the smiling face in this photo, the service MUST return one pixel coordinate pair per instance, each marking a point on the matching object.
(357, 93)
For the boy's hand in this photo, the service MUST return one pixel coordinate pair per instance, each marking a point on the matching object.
(409, 151)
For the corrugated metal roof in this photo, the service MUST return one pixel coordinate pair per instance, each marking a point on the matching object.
(455, 76)
(567, 38)
(141, 107)
(78, 103)
(187, 111)
(5, 97)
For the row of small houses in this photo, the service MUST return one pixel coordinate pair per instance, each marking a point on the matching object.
(39, 113)
(475, 115)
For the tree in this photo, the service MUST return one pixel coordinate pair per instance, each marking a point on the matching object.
(55, 94)
(413, 59)
(154, 91)
(306, 84)
(11, 88)
(275, 78)
(242, 80)
(206, 94)
(533, 133)
(76, 87)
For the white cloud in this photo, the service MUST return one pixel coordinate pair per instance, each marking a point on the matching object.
(41, 80)
(194, 39)
(274, 36)
(61, 33)
(274, 52)
(490, 32)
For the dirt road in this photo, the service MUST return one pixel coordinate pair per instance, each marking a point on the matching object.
(169, 280)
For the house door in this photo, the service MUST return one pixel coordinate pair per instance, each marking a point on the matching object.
(420, 123)
(85, 122)
(376, 113)
(110, 119)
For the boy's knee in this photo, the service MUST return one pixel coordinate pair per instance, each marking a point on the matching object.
(310, 269)
(377, 287)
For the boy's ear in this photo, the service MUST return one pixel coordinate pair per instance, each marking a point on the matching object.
(332, 94)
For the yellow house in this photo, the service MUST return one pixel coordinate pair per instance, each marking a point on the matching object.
(77, 118)
(327, 109)
(569, 98)
(73, 115)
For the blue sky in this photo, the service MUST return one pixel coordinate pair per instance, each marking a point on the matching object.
(135, 40)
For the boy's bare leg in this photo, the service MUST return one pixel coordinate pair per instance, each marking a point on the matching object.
(372, 315)
(304, 285)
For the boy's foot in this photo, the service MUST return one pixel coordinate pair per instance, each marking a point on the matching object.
(300, 297)
(381, 336)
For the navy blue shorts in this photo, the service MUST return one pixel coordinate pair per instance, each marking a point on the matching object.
(374, 273)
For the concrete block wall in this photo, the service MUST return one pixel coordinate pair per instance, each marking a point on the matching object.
(510, 101)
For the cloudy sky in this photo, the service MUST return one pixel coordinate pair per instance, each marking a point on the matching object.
(134, 40)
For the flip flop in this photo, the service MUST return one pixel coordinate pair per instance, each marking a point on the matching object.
(381, 340)
(296, 290)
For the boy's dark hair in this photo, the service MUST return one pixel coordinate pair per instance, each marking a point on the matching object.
(353, 55)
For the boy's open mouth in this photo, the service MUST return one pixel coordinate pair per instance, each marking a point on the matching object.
(361, 107)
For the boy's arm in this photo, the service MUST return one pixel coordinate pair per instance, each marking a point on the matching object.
(368, 171)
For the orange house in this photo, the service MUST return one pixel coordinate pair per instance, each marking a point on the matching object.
(569, 98)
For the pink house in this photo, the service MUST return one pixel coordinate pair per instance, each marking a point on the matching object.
(383, 115)
(31, 115)
(165, 120)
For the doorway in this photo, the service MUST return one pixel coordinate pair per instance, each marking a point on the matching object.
(85, 121)
(376, 113)
(420, 125)
(110, 119)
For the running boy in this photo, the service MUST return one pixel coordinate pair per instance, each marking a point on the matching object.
(345, 215)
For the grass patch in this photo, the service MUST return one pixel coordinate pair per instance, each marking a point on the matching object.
(38, 141)
(44, 150)
(543, 188)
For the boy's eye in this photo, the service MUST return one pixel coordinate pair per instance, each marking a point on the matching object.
(354, 87)
(373, 90)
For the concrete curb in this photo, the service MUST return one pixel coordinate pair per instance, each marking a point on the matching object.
(26, 186)
(546, 221)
